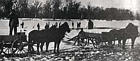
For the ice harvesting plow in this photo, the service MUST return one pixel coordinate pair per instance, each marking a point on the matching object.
(96, 39)
(13, 44)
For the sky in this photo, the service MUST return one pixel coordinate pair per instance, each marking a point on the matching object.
(133, 5)
(126, 4)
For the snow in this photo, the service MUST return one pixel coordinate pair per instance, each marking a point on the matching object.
(31, 24)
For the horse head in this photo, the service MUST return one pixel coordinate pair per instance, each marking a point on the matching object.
(132, 30)
(130, 25)
(65, 27)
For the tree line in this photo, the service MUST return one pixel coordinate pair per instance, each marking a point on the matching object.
(72, 10)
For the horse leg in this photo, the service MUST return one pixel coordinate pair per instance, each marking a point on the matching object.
(32, 48)
(124, 41)
(93, 43)
(133, 41)
(109, 43)
(38, 47)
(87, 41)
(55, 44)
(114, 42)
(58, 46)
(119, 42)
(41, 46)
(29, 47)
(47, 45)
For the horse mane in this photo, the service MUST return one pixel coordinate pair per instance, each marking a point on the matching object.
(53, 27)
(63, 25)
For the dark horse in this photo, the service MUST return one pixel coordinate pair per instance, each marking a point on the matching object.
(130, 32)
(48, 35)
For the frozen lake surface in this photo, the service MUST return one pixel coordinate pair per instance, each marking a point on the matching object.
(31, 24)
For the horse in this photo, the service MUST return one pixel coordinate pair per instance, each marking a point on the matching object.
(107, 37)
(130, 32)
(51, 35)
(35, 37)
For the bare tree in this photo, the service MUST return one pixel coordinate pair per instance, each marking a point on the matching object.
(47, 9)
(56, 4)
(34, 9)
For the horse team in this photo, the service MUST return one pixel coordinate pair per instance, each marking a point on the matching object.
(56, 34)
(121, 35)
(130, 32)
(52, 34)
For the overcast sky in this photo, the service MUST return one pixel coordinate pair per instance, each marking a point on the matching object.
(127, 4)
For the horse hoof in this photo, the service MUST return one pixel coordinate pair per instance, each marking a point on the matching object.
(32, 52)
(47, 51)
(38, 53)
(54, 52)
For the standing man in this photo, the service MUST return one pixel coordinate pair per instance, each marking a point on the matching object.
(77, 25)
(14, 22)
(38, 26)
(73, 25)
(47, 25)
(22, 24)
(90, 24)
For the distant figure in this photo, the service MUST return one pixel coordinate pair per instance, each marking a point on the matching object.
(78, 24)
(47, 25)
(38, 26)
(22, 25)
(72, 24)
(90, 24)
(14, 22)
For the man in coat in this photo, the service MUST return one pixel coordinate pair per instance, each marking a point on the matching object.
(14, 22)
(90, 24)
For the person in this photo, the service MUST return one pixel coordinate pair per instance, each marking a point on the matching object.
(47, 25)
(90, 24)
(72, 24)
(14, 22)
(79, 24)
(38, 26)
(22, 24)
